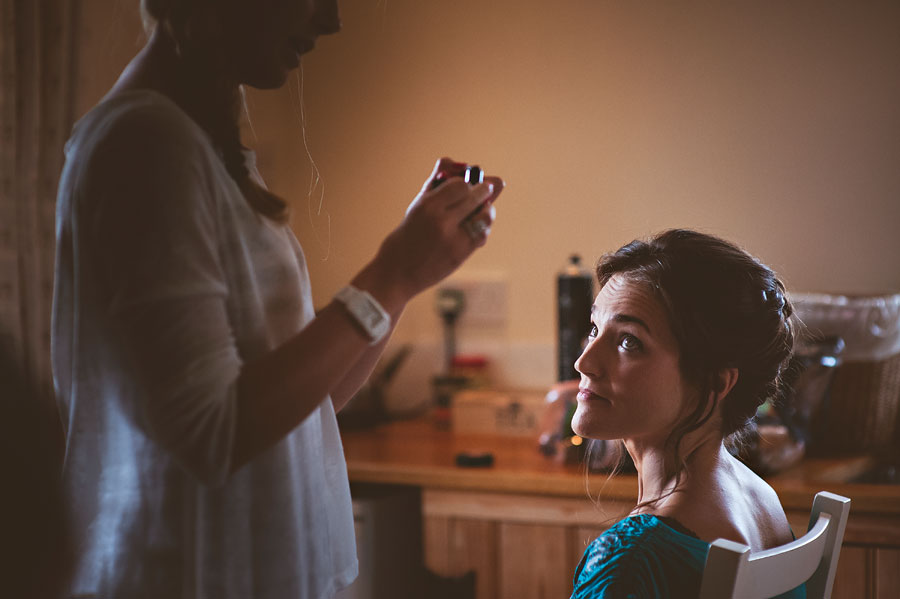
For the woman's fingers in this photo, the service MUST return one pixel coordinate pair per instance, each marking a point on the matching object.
(443, 166)
(461, 206)
(443, 226)
(478, 225)
(478, 195)
(498, 184)
(470, 200)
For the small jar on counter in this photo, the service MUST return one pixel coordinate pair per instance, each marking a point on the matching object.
(467, 371)
(473, 369)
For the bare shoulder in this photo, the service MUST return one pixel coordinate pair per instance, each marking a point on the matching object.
(762, 507)
(732, 503)
(748, 508)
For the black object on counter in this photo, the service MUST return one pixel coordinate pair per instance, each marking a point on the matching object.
(574, 297)
(475, 459)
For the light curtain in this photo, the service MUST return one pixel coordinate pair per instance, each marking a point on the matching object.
(37, 65)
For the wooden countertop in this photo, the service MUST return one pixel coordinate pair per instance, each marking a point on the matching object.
(414, 452)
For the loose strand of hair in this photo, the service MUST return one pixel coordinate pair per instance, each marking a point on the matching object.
(315, 178)
(384, 7)
(202, 97)
(616, 469)
(697, 418)
(245, 109)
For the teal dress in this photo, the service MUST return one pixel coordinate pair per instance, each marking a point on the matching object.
(646, 556)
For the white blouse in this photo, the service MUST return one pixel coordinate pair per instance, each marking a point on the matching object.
(166, 283)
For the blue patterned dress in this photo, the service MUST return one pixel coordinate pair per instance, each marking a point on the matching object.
(646, 556)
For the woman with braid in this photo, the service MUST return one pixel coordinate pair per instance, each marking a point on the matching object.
(197, 383)
(690, 335)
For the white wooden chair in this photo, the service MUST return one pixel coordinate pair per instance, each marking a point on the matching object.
(732, 571)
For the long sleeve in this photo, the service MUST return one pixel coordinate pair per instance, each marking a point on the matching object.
(149, 235)
(166, 283)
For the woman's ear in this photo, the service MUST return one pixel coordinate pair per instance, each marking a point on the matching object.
(726, 379)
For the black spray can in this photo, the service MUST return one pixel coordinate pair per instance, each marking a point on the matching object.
(574, 297)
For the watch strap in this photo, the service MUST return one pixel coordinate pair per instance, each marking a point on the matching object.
(366, 312)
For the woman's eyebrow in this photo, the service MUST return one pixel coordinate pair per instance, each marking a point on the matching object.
(629, 318)
(622, 317)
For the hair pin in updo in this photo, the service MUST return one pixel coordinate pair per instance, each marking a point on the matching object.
(774, 297)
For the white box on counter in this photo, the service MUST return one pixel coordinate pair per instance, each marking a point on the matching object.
(497, 412)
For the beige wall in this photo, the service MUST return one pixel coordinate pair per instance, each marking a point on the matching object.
(772, 123)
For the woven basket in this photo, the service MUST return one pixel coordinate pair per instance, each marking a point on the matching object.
(862, 413)
(863, 408)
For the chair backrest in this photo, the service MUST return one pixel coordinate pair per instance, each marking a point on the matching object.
(732, 571)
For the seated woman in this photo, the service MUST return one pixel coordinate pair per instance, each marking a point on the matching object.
(690, 335)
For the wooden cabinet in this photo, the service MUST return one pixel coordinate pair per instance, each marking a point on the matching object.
(527, 546)
(871, 572)
(851, 580)
(519, 546)
(535, 560)
(523, 524)
(454, 546)
(510, 559)
(886, 568)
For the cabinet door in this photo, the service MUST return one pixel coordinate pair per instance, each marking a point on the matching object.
(887, 573)
(454, 546)
(436, 543)
(536, 561)
(851, 581)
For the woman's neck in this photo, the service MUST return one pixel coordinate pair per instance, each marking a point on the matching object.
(159, 67)
(195, 82)
(656, 469)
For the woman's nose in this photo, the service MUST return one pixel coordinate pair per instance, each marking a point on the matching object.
(327, 19)
(588, 363)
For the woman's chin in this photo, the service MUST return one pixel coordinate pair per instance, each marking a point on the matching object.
(592, 420)
(584, 427)
(269, 79)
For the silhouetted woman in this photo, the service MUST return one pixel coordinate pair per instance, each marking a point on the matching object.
(198, 386)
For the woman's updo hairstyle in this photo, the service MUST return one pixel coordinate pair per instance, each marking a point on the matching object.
(205, 92)
(726, 309)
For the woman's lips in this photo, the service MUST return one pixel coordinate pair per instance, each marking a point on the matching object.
(302, 45)
(588, 395)
(297, 48)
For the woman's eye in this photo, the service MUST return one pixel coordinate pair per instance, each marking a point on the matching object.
(594, 332)
(630, 343)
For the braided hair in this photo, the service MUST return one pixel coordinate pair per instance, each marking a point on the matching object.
(207, 95)
(726, 310)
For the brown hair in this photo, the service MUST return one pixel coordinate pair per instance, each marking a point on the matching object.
(206, 94)
(726, 309)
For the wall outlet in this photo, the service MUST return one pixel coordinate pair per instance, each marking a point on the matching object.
(486, 301)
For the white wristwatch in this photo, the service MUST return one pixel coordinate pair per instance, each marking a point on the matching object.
(366, 311)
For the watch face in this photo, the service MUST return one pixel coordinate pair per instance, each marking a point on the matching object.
(366, 311)
(374, 320)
